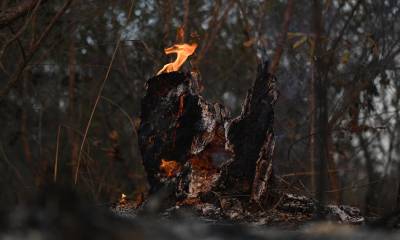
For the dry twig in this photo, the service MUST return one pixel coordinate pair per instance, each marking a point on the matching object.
(98, 98)
(15, 78)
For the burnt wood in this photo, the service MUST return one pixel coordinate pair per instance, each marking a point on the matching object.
(251, 138)
(178, 124)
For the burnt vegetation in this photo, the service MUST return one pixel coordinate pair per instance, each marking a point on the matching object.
(270, 112)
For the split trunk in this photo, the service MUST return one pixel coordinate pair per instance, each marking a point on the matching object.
(193, 147)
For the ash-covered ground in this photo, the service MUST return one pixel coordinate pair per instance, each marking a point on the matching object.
(60, 214)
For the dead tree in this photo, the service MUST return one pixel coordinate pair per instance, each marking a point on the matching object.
(193, 145)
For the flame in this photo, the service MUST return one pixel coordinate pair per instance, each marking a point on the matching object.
(170, 168)
(183, 51)
(123, 200)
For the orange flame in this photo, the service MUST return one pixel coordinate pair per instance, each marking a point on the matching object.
(183, 51)
(123, 200)
(170, 168)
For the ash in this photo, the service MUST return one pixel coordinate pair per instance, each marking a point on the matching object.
(62, 215)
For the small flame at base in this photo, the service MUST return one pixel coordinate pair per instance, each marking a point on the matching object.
(170, 168)
(183, 51)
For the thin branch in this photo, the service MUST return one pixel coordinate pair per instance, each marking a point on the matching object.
(214, 28)
(12, 14)
(17, 173)
(310, 173)
(21, 47)
(186, 7)
(122, 111)
(57, 153)
(343, 30)
(18, 34)
(15, 78)
(98, 97)
(282, 39)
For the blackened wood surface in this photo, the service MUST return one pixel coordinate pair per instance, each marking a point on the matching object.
(251, 137)
(176, 123)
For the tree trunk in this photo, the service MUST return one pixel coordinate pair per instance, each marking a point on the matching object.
(312, 113)
(398, 190)
(72, 115)
(371, 198)
(193, 146)
(24, 125)
(332, 170)
(321, 104)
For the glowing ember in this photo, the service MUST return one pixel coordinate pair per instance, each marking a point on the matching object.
(170, 168)
(123, 200)
(183, 51)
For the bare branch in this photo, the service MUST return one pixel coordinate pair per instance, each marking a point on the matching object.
(21, 67)
(16, 12)
(282, 38)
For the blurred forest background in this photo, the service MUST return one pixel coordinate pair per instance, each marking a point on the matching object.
(61, 59)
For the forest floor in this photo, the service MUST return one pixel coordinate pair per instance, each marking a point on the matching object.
(62, 215)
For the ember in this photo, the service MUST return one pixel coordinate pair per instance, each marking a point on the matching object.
(183, 51)
(170, 168)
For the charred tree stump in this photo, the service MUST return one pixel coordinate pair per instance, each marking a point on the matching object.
(191, 143)
(251, 138)
(177, 125)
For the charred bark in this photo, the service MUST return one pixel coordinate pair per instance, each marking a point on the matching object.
(251, 138)
(207, 151)
(177, 125)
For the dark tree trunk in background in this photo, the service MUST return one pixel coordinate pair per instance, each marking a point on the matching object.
(73, 116)
(212, 152)
(321, 105)
(24, 123)
(311, 127)
(398, 192)
(398, 186)
(282, 38)
(372, 197)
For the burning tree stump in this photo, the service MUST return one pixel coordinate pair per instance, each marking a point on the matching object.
(194, 145)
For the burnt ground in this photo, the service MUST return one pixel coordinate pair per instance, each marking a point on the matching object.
(63, 215)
